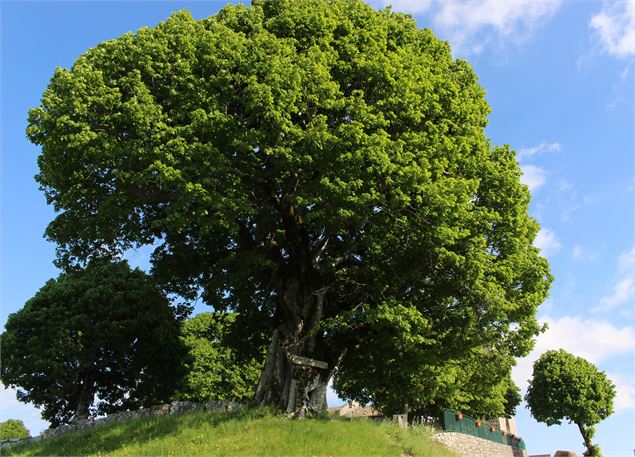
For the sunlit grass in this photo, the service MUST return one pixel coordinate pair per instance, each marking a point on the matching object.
(255, 432)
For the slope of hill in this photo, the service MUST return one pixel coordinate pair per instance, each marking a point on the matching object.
(238, 433)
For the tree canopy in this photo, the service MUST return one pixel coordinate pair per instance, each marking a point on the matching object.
(215, 369)
(319, 167)
(478, 383)
(96, 340)
(13, 428)
(568, 387)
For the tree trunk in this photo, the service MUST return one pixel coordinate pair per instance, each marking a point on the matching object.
(298, 390)
(587, 435)
(86, 397)
(295, 376)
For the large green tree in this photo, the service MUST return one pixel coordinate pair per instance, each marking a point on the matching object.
(13, 428)
(317, 166)
(216, 369)
(568, 387)
(96, 340)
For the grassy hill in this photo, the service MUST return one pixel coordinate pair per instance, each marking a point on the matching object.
(239, 433)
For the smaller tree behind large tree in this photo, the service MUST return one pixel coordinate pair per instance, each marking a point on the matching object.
(568, 387)
(13, 428)
(105, 331)
(214, 369)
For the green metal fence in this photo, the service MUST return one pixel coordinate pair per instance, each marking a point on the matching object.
(467, 426)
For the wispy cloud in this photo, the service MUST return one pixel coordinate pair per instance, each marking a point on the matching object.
(547, 241)
(540, 149)
(580, 253)
(593, 339)
(566, 198)
(533, 176)
(615, 28)
(577, 251)
(472, 25)
(626, 262)
(623, 290)
(622, 87)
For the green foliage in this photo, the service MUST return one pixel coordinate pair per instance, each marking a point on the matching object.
(568, 387)
(13, 428)
(478, 384)
(216, 371)
(105, 330)
(319, 167)
(253, 433)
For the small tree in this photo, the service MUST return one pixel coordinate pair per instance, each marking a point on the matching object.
(13, 428)
(214, 369)
(568, 387)
(103, 331)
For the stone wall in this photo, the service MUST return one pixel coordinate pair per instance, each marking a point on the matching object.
(159, 410)
(471, 446)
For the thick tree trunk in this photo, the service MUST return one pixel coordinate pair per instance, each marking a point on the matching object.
(295, 378)
(86, 397)
(298, 389)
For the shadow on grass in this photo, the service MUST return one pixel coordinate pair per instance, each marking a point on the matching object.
(108, 438)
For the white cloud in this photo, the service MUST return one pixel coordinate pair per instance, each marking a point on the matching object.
(471, 25)
(592, 339)
(533, 176)
(547, 242)
(624, 288)
(615, 27)
(623, 291)
(491, 21)
(540, 149)
(625, 386)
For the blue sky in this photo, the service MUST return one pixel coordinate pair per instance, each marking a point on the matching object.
(559, 77)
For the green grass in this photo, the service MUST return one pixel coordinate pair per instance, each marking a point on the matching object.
(239, 433)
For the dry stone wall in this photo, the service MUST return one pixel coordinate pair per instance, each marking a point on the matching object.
(471, 446)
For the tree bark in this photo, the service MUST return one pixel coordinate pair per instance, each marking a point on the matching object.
(298, 390)
(299, 362)
(86, 397)
(587, 434)
(295, 375)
